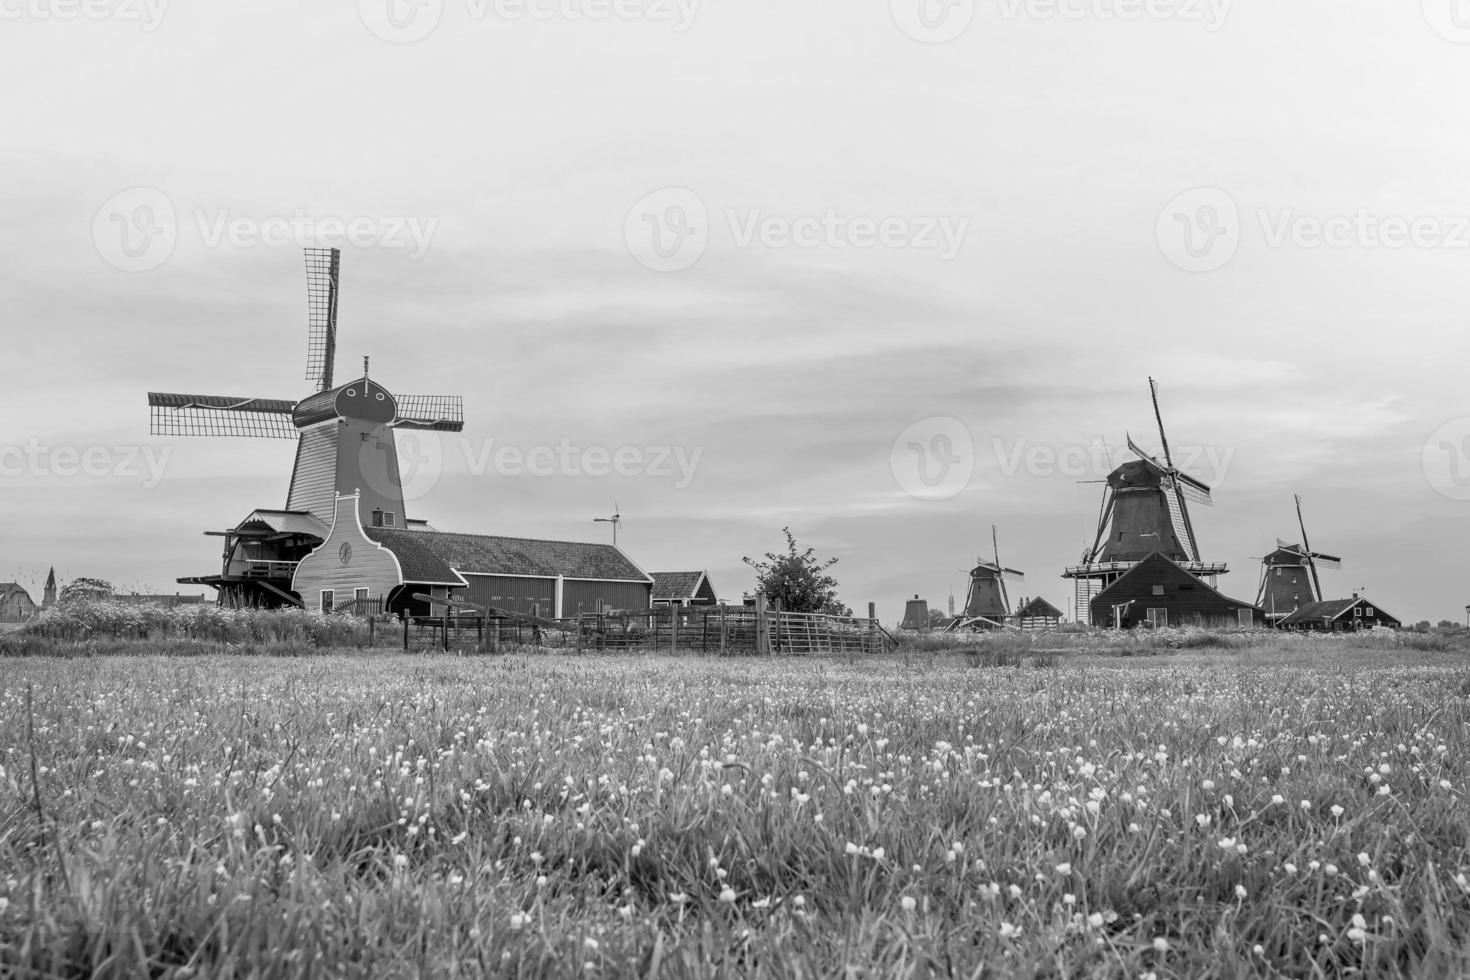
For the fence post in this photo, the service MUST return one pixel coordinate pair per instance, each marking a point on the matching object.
(776, 630)
(762, 627)
(722, 629)
(872, 626)
(673, 628)
(446, 629)
(405, 629)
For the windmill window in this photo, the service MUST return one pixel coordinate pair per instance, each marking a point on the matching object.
(390, 519)
(327, 600)
(360, 595)
(1369, 610)
(380, 396)
(1158, 590)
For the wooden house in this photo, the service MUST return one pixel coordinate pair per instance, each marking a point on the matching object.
(16, 604)
(683, 589)
(1159, 591)
(1038, 616)
(1339, 616)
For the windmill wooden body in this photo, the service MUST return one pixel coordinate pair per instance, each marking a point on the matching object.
(1145, 511)
(1289, 575)
(345, 445)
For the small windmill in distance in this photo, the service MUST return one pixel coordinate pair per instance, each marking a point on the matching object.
(1289, 578)
(988, 604)
(615, 520)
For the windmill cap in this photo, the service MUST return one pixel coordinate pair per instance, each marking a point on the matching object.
(364, 400)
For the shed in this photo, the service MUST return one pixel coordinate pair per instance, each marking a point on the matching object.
(1038, 616)
(683, 589)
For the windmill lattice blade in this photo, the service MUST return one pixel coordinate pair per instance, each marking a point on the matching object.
(1176, 518)
(322, 268)
(1326, 561)
(442, 413)
(1198, 494)
(219, 415)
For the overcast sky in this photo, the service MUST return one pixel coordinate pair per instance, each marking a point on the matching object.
(765, 249)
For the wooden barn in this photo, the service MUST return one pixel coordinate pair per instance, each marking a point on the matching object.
(16, 604)
(683, 589)
(1159, 591)
(386, 567)
(1038, 616)
(1339, 616)
(558, 579)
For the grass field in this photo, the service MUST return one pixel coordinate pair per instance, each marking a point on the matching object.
(1296, 809)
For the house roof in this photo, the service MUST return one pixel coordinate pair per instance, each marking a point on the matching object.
(1148, 567)
(1039, 607)
(288, 522)
(433, 552)
(1331, 609)
(8, 587)
(675, 585)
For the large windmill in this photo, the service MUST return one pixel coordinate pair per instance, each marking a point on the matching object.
(1289, 578)
(988, 604)
(344, 432)
(345, 445)
(1145, 510)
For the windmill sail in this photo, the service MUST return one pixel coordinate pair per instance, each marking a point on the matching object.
(322, 268)
(442, 413)
(1182, 530)
(219, 415)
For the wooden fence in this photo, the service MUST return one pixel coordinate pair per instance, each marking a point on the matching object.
(719, 630)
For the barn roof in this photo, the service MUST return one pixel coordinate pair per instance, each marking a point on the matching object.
(676, 585)
(421, 562)
(1157, 563)
(483, 554)
(1039, 607)
(8, 587)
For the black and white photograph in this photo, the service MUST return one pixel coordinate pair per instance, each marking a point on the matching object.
(735, 489)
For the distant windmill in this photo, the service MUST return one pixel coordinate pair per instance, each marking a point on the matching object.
(1289, 578)
(988, 603)
(345, 434)
(616, 520)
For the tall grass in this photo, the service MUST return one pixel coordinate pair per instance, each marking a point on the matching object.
(1302, 814)
(109, 625)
